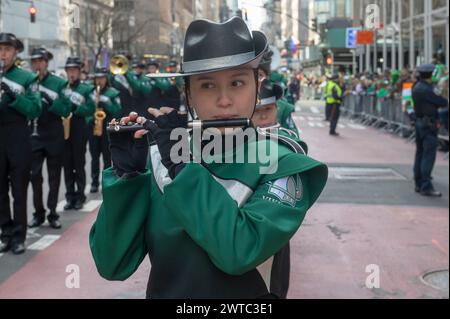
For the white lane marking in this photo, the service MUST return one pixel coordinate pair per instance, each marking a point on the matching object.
(44, 242)
(301, 118)
(314, 109)
(1, 255)
(310, 118)
(87, 208)
(320, 124)
(31, 233)
(356, 126)
(341, 125)
(91, 205)
(311, 124)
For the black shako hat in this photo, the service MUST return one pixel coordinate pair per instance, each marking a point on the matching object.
(41, 53)
(212, 47)
(100, 72)
(269, 93)
(11, 39)
(73, 62)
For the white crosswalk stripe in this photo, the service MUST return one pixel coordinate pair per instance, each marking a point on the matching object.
(44, 242)
(311, 124)
(315, 110)
(87, 208)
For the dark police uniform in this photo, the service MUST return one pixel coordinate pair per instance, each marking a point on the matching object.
(109, 102)
(75, 147)
(20, 102)
(334, 99)
(47, 141)
(426, 104)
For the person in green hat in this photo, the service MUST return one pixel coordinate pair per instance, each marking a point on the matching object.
(20, 102)
(212, 229)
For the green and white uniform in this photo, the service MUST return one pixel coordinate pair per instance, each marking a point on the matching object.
(215, 231)
(15, 149)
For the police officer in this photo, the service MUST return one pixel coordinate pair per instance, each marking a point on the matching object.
(75, 146)
(333, 93)
(426, 104)
(20, 101)
(47, 139)
(107, 100)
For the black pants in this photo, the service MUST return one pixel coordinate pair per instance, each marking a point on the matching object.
(426, 148)
(53, 153)
(74, 160)
(328, 108)
(15, 166)
(98, 145)
(334, 117)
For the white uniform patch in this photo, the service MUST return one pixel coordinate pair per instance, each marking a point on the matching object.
(288, 190)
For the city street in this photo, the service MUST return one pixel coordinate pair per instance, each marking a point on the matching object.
(369, 217)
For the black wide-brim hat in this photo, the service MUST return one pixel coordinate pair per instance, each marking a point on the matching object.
(73, 62)
(100, 72)
(11, 39)
(269, 93)
(212, 47)
(41, 53)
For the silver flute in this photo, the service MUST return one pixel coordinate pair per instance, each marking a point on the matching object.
(195, 124)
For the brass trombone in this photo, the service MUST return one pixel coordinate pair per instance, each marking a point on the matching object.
(119, 65)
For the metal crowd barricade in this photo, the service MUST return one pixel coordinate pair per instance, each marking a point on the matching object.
(389, 115)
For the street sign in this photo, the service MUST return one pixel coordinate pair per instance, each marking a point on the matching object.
(350, 37)
(364, 37)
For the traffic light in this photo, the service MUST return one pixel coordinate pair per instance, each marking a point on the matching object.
(32, 11)
(314, 24)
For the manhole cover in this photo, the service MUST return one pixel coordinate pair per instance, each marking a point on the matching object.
(437, 279)
(364, 173)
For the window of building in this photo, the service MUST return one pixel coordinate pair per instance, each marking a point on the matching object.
(419, 7)
(438, 4)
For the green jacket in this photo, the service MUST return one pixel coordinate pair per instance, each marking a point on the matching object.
(28, 99)
(54, 87)
(215, 231)
(80, 99)
(140, 84)
(285, 110)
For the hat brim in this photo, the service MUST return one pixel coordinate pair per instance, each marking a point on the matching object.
(15, 43)
(74, 65)
(47, 57)
(278, 94)
(260, 48)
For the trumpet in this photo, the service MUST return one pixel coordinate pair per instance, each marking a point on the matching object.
(114, 127)
(66, 122)
(99, 115)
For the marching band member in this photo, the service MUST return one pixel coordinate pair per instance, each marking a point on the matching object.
(76, 137)
(211, 230)
(20, 102)
(47, 139)
(108, 106)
